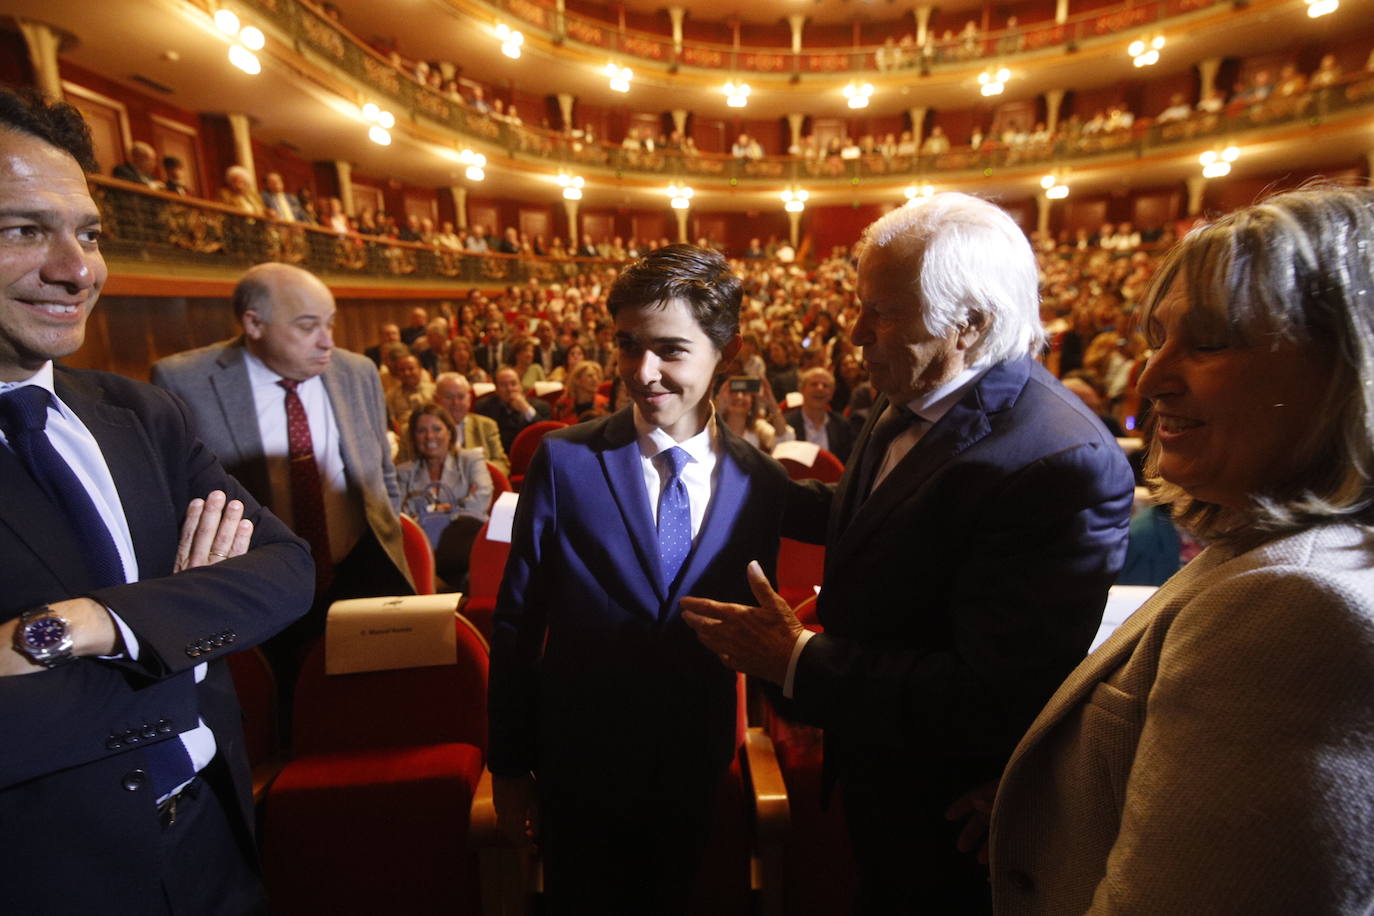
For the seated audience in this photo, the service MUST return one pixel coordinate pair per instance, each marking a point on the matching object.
(447, 481)
(580, 400)
(141, 167)
(509, 408)
(814, 421)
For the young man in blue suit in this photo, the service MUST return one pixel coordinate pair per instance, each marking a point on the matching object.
(611, 725)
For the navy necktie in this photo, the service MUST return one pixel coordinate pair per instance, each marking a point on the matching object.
(24, 415)
(674, 514)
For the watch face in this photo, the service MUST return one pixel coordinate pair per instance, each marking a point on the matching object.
(45, 633)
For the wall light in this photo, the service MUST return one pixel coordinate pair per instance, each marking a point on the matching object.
(736, 94)
(1055, 186)
(247, 39)
(510, 39)
(1318, 8)
(476, 164)
(1143, 53)
(382, 121)
(679, 196)
(619, 76)
(1216, 164)
(858, 94)
(572, 185)
(794, 200)
(993, 83)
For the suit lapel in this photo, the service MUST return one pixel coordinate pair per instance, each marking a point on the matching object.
(138, 477)
(625, 479)
(335, 388)
(36, 523)
(234, 394)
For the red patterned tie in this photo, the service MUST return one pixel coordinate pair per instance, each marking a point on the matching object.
(307, 494)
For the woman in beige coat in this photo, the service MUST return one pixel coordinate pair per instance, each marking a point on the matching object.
(1216, 754)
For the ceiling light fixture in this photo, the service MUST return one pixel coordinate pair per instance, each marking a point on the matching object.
(476, 164)
(246, 39)
(736, 94)
(381, 120)
(1055, 186)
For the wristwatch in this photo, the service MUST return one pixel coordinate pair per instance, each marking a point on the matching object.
(44, 637)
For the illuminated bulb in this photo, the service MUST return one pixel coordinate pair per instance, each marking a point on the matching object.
(858, 95)
(475, 173)
(1136, 48)
(378, 135)
(386, 119)
(1318, 8)
(1048, 182)
(572, 193)
(245, 60)
(371, 112)
(680, 203)
(226, 21)
(620, 77)
(1058, 192)
(736, 94)
(252, 38)
(1230, 154)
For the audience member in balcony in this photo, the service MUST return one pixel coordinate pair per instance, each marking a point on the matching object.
(141, 167)
(1119, 118)
(453, 392)
(814, 421)
(508, 406)
(1212, 101)
(251, 396)
(969, 41)
(509, 242)
(410, 232)
(906, 144)
(849, 149)
(278, 203)
(178, 179)
(588, 247)
(607, 718)
(1013, 40)
(1260, 87)
(936, 144)
(238, 192)
(1328, 72)
(1132, 793)
(887, 57)
(746, 148)
(580, 400)
(477, 240)
(1177, 110)
(1291, 82)
(478, 102)
(962, 590)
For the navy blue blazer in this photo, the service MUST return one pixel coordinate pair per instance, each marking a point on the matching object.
(597, 684)
(960, 595)
(71, 796)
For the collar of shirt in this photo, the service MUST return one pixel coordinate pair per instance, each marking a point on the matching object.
(699, 474)
(933, 405)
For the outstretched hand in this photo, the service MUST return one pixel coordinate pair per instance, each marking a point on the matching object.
(755, 640)
(214, 530)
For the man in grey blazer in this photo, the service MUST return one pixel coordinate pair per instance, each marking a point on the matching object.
(238, 394)
(453, 392)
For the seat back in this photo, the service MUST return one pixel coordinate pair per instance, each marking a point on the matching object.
(523, 447)
(419, 555)
(801, 567)
(827, 468)
(256, 686)
(500, 483)
(408, 706)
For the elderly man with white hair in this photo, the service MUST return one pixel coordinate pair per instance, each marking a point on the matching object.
(970, 545)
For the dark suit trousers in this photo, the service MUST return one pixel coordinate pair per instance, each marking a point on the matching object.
(620, 858)
(906, 855)
(206, 870)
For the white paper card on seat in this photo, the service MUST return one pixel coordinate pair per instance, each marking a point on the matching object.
(543, 388)
(502, 517)
(382, 634)
(804, 453)
(793, 400)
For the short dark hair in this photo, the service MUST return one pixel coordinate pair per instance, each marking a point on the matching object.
(55, 123)
(699, 277)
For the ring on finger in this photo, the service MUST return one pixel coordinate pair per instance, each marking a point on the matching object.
(222, 556)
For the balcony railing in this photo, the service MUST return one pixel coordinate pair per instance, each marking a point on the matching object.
(139, 225)
(904, 54)
(313, 32)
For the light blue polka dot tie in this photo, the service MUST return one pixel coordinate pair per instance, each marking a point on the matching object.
(674, 513)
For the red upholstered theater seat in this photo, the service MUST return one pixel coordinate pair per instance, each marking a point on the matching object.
(800, 569)
(256, 687)
(523, 447)
(419, 555)
(826, 468)
(486, 567)
(372, 815)
(500, 483)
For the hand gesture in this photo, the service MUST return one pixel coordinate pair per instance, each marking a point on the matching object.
(214, 530)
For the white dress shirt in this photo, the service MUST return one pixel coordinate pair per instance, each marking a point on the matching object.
(343, 514)
(74, 442)
(699, 474)
(930, 408)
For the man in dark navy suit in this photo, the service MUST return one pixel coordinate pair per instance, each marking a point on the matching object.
(124, 787)
(969, 548)
(611, 725)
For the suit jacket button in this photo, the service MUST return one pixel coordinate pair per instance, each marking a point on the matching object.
(113, 743)
(1021, 881)
(193, 651)
(230, 636)
(164, 725)
(134, 780)
(149, 731)
(131, 736)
